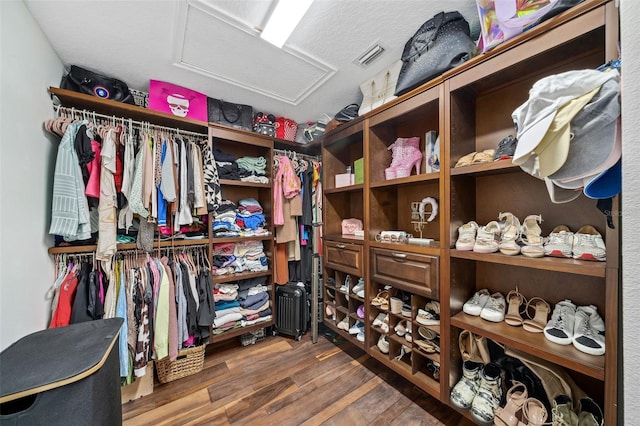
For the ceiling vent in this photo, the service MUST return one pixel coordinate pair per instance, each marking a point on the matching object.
(370, 55)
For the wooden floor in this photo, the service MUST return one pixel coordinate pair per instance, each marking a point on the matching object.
(279, 381)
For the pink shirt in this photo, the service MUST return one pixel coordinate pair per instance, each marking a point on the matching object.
(286, 183)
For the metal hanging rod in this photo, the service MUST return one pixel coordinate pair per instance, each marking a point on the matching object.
(86, 114)
(287, 153)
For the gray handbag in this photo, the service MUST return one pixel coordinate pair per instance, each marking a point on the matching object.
(441, 43)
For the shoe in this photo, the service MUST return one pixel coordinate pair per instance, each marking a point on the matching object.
(473, 348)
(406, 310)
(488, 238)
(510, 234)
(467, 236)
(379, 320)
(539, 320)
(560, 328)
(514, 301)
(331, 293)
(588, 245)
(427, 334)
(530, 237)
(358, 289)
(465, 160)
(344, 324)
(356, 328)
(430, 315)
(331, 282)
(489, 394)
(562, 413)
(588, 335)
(406, 155)
(404, 350)
(590, 413)
(347, 283)
(534, 412)
(507, 415)
(401, 328)
(426, 346)
(559, 243)
(381, 300)
(360, 311)
(464, 392)
(494, 309)
(485, 156)
(360, 336)
(396, 305)
(383, 344)
(506, 148)
(407, 335)
(330, 310)
(474, 305)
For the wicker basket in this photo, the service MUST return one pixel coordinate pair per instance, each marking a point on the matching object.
(190, 361)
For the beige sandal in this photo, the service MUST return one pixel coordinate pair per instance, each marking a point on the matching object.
(539, 320)
(465, 160)
(381, 300)
(514, 301)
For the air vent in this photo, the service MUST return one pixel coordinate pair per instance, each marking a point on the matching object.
(370, 55)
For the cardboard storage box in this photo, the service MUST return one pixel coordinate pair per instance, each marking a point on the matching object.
(344, 179)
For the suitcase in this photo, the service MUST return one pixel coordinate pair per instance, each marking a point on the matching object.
(292, 310)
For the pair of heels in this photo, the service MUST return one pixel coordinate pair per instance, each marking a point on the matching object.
(535, 323)
(520, 410)
(525, 238)
(406, 156)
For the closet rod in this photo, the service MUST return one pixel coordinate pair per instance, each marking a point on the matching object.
(286, 153)
(86, 114)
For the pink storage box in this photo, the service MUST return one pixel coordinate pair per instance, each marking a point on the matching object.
(178, 101)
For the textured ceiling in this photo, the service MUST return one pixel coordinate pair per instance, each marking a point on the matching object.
(213, 46)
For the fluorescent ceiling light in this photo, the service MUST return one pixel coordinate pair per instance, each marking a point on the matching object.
(284, 19)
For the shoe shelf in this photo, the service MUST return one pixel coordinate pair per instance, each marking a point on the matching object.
(406, 180)
(534, 343)
(570, 266)
(491, 168)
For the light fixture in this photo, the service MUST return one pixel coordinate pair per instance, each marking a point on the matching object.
(284, 19)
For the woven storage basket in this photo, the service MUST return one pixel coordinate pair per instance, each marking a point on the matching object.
(190, 361)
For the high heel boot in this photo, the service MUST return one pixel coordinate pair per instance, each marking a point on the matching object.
(406, 156)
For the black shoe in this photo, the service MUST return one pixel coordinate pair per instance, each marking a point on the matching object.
(506, 148)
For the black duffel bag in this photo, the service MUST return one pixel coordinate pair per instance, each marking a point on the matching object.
(82, 80)
(441, 43)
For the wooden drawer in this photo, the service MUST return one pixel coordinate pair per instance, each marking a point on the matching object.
(413, 272)
(344, 257)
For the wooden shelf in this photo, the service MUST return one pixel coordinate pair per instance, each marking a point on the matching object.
(231, 182)
(423, 381)
(406, 180)
(343, 238)
(492, 168)
(435, 357)
(239, 276)
(432, 250)
(533, 343)
(343, 189)
(120, 110)
(234, 332)
(570, 266)
(129, 246)
(240, 239)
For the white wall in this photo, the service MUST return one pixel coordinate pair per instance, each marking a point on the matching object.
(630, 40)
(27, 157)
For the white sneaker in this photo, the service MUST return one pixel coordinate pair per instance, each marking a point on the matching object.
(347, 283)
(383, 344)
(588, 245)
(344, 324)
(494, 309)
(588, 335)
(380, 319)
(488, 238)
(559, 329)
(358, 289)
(427, 317)
(474, 305)
(467, 236)
(559, 243)
(360, 336)
(356, 328)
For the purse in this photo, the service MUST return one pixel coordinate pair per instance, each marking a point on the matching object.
(441, 43)
(501, 20)
(350, 226)
(265, 124)
(286, 128)
(379, 90)
(238, 116)
(347, 113)
(82, 80)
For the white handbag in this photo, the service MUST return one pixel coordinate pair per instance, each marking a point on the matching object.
(379, 90)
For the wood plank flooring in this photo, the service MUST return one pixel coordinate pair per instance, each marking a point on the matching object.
(279, 381)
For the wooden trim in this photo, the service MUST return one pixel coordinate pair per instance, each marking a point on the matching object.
(130, 246)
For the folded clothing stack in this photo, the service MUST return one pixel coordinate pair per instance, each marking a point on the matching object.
(249, 217)
(226, 165)
(229, 258)
(250, 304)
(252, 169)
(224, 221)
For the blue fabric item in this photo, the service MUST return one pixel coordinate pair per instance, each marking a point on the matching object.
(121, 312)
(255, 298)
(264, 261)
(607, 184)
(226, 304)
(254, 221)
(265, 312)
(256, 305)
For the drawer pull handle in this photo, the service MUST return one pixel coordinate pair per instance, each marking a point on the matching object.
(341, 246)
(399, 255)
